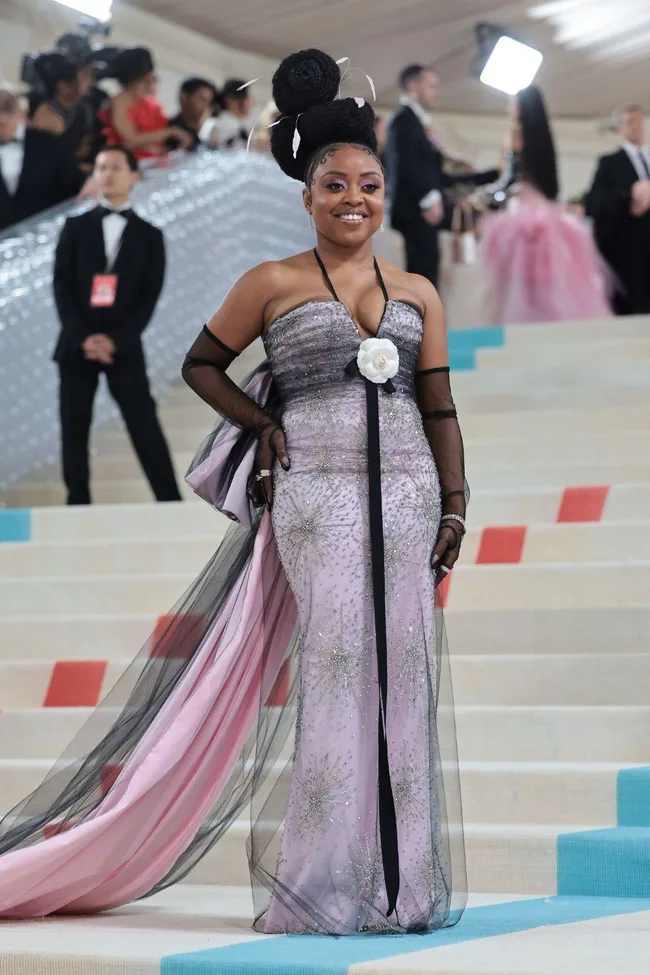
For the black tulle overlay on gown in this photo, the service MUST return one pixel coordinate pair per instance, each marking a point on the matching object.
(280, 692)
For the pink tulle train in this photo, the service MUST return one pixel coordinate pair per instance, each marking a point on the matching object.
(170, 782)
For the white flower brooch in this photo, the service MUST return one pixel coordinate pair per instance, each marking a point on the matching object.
(378, 360)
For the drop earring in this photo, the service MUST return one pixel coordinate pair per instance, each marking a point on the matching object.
(311, 220)
(381, 227)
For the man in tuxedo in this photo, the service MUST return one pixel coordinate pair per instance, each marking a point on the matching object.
(619, 203)
(415, 172)
(108, 275)
(37, 169)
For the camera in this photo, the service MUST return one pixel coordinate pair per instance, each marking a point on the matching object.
(75, 50)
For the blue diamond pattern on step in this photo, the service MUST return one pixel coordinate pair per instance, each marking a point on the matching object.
(611, 862)
(15, 524)
(633, 797)
(322, 955)
(464, 342)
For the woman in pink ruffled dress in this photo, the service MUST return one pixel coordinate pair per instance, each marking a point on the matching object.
(540, 261)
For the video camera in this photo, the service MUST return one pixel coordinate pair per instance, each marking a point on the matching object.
(77, 51)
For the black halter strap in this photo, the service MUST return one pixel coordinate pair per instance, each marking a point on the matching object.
(332, 289)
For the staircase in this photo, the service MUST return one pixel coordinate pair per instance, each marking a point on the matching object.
(548, 613)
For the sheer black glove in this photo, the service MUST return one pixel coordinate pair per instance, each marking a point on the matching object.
(272, 445)
(204, 370)
(440, 422)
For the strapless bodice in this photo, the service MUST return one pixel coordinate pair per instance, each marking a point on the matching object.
(324, 409)
(309, 347)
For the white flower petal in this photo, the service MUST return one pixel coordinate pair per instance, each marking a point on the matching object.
(392, 370)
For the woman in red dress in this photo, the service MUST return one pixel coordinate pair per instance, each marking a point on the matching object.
(135, 116)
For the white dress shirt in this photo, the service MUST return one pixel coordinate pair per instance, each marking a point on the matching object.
(434, 196)
(638, 156)
(113, 225)
(11, 160)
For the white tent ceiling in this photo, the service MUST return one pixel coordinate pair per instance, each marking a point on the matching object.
(596, 51)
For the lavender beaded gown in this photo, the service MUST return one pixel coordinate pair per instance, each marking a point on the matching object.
(331, 875)
(302, 681)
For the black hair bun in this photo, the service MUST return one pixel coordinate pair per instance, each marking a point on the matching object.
(342, 120)
(304, 79)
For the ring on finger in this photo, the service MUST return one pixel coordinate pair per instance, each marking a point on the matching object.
(263, 474)
(445, 569)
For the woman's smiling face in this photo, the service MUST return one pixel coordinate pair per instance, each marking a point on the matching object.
(346, 195)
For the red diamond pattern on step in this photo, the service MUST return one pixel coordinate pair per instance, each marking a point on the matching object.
(75, 684)
(176, 636)
(501, 545)
(443, 590)
(582, 504)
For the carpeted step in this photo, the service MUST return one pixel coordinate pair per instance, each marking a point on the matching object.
(605, 863)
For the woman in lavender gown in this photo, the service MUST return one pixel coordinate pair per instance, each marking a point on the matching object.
(320, 611)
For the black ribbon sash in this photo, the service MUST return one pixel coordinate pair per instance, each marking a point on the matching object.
(386, 800)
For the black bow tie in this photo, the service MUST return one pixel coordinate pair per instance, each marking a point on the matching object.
(106, 211)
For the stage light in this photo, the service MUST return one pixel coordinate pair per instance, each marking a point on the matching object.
(511, 66)
(99, 10)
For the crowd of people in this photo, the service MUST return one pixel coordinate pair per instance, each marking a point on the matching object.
(543, 260)
(48, 147)
(539, 257)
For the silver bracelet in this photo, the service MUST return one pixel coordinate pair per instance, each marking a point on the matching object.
(263, 474)
(458, 518)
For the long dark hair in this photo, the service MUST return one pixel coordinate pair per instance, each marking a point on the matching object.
(538, 158)
(132, 64)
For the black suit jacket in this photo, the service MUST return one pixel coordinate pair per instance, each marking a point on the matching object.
(49, 176)
(140, 270)
(415, 168)
(624, 240)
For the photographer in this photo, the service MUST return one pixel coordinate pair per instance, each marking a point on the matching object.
(63, 85)
(37, 169)
(64, 110)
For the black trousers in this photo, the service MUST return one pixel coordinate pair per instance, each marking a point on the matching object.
(635, 299)
(422, 250)
(129, 386)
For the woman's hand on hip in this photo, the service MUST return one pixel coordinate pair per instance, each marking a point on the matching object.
(272, 446)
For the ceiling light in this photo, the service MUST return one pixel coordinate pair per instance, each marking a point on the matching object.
(99, 10)
(511, 66)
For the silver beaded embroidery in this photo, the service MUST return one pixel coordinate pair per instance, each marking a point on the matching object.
(320, 788)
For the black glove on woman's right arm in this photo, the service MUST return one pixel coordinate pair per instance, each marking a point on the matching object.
(204, 370)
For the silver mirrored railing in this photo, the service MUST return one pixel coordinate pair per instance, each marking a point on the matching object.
(221, 213)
